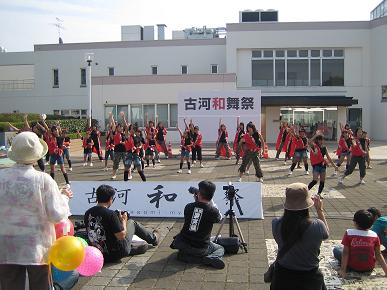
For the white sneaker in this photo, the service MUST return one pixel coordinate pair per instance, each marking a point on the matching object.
(201, 166)
(284, 162)
(340, 180)
(189, 171)
(228, 158)
(84, 164)
(239, 179)
(130, 177)
(362, 181)
(194, 162)
(158, 161)
(91, 164)
(290, 172)
(47, 163)
(276, 159)
(70, 169)
(217, 158)
(247, 172)
(166, 156)
(105, 169)
(113, 177)
(179, 171)
(334, 173)
(306, 172)
(260, 180)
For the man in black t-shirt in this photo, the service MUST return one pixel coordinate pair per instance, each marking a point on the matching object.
(112, 231)
(193, 241)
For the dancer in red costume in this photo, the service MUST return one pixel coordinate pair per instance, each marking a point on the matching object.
(237, 146)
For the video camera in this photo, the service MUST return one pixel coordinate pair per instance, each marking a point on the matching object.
(231, 195)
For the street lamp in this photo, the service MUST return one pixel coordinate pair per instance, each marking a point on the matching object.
(89, 57)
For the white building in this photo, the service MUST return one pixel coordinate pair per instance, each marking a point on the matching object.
(310, 73)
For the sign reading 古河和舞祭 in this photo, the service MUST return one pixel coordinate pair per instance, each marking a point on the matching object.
(205, 108)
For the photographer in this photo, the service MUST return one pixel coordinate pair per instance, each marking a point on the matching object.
(193, 241)
(112, 231)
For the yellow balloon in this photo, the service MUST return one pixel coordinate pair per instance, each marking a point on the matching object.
(67, 253)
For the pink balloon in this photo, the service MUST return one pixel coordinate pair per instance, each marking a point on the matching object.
(64, 228)
(92, 263)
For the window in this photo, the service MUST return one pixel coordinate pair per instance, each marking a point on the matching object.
(83, 112)
(327, 53)
(279, 72)
(122, 108)
(184, 69)
(280, 53)
(315, 72)
(333, 72)
(55, 78)
(262, 72)
(75, 112)
(384, 92)
(303, 53)
(315, 53)
(292, 53)
(83, 77)
(149, 112)
(173, 115)
(338, 52)
(154, 69)
(267, 53)
(56, 112)
(257, 53)
(111, 71)
(65, 112)
(136, 115)
(298, 72)
(162, 114)
(214, 68)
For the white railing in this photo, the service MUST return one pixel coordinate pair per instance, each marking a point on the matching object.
(17, 85)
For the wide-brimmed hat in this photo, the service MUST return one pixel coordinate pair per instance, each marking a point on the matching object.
(27, 147)
(297, 197)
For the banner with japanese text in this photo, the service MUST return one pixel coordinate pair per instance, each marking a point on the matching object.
(208, 108)
(164, 198)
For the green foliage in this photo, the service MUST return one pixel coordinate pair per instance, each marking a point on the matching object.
(17, 117)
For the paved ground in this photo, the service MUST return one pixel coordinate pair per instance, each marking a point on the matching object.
(159, 269)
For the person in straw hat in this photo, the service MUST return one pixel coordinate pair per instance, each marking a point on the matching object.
(31, 203)
(299, 239)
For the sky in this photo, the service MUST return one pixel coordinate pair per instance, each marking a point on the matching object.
(24, 23)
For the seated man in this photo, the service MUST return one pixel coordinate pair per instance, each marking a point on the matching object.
(112, 231)
(193, 242)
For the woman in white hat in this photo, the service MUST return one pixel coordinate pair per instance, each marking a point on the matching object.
(31, 203)
(299, 239)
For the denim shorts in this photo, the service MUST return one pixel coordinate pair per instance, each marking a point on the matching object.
(132, 158)
(300, 154)
(185, 153)
(319, 169)
(66, 153)
(109, 153)
(344, 154)
(55, 158)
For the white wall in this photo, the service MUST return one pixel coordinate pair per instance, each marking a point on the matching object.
(16, 72)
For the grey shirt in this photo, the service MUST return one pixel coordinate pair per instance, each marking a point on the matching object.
(303, 256)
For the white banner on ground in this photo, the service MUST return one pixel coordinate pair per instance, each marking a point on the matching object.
(164, 198)
(205, 108)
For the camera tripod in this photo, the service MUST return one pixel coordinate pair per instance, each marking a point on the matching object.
(232, 219)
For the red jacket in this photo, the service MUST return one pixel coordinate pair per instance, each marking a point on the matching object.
(357, 149)
(86, 144)
(250, 143)
(316, 158)
(199, 140)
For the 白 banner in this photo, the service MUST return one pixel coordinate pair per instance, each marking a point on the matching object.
(164, 198)
(206, 108)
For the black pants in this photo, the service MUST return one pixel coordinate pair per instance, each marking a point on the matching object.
(41, 164)
(285, 279)
(96, 146)
(352, 165)
(13, 277)
(197, 152)
(248, 157)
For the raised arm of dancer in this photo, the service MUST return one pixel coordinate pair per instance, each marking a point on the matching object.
(237, 123)
(185, 123)
(13, 127)
(26, 124)
(178, 129)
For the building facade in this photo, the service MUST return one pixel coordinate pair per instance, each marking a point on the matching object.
(312, 74)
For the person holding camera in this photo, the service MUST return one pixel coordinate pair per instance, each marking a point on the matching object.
(193, 241)
(112, 231)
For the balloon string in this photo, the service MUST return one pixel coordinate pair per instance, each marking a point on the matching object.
(50, 278)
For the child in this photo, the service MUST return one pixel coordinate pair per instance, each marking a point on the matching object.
(197, 146)
(88, 144)
(151, 151)
(317, 153)
(343, 150)
(161, 137)
(186, 147)
(358, 155)
(367, 145)
(66, 148)
(222, 142)
(379, 226)
(137, 156)
(237, 140)
(361, 246)
(280, 144)
(300, 151)
(109, 148)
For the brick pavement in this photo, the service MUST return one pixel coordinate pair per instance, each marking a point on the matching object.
(159, 269)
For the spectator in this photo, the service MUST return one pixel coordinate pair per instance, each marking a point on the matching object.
(112, 231)
(379, 226)
(193, 241)
(361, 246)
(298, 268)
(27, 231)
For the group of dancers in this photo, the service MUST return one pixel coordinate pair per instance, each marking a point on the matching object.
(354, 148)
(126, 143)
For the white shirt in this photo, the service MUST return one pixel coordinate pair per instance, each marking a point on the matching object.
(30, 204)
